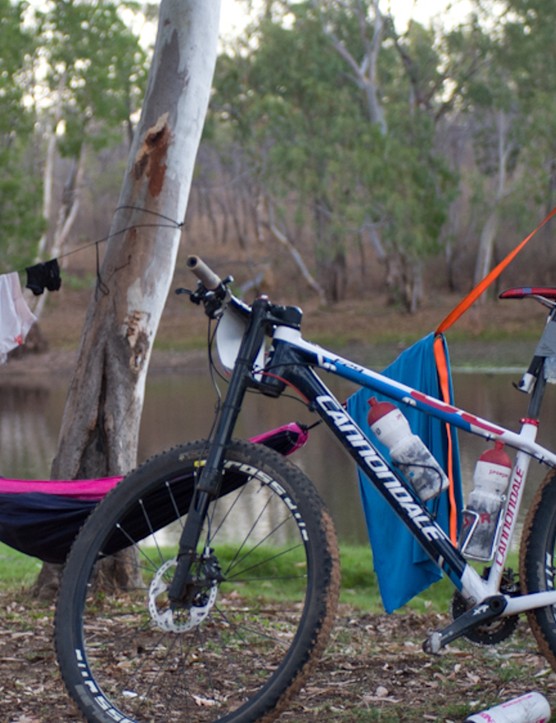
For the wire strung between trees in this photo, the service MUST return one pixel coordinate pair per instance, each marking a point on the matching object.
(100, 284)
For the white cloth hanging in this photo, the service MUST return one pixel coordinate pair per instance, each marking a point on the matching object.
(16, 318)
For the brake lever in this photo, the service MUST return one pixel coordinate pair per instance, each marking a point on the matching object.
(196, 297)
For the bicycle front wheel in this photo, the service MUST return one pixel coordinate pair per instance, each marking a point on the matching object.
(265, 588)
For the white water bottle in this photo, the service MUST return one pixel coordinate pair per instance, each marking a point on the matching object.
(407, 450)
(528, 708)
(480, 517)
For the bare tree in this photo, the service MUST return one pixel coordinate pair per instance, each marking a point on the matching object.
(503, 150)
(363, 70)
(101, 420)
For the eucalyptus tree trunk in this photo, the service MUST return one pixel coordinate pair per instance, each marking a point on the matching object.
(102, 415)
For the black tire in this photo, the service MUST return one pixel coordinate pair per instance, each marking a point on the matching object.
(238, 654)
(538, 563)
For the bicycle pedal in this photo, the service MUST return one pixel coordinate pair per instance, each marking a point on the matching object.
(485, 611)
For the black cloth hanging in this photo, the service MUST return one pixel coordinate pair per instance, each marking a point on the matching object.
(43, 276)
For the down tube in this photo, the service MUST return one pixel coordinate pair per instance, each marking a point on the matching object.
(417, 518)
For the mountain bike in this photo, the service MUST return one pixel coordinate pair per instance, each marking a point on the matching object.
(210, 534)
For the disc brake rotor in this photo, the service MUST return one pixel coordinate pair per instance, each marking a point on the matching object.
(179, 620)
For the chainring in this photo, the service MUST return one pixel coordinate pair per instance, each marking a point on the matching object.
(497, 630)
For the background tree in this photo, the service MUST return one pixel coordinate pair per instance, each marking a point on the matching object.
(527, 52)
(100, 426)
(338, 146)
(335, 162)
(20, 187)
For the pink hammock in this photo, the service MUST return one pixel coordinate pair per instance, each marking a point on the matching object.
(87, 489)
(41, 518)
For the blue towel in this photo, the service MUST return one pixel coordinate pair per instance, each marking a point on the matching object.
(402, 566)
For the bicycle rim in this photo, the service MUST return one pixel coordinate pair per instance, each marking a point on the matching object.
(266, 591)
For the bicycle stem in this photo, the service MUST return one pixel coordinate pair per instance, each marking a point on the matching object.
(208, 486)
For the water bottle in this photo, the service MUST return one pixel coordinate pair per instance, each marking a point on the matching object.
(406, 449)
(528, 708)
(480, 517)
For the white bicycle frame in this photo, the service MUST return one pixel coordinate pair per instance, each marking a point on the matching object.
(295, 354)
(292, 360)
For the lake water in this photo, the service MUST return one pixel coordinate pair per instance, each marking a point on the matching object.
(181, 408)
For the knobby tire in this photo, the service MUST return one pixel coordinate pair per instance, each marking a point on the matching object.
(538, 563)
(237, 653)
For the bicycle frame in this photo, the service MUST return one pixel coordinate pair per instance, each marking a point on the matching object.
(294, 359)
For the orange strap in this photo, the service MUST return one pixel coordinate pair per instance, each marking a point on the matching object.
(474, 294)
(444, 380)
(442, 364)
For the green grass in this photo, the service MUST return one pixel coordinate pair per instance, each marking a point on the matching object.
(359, 584)
(190, 342)
(16, 569)
(340, 339)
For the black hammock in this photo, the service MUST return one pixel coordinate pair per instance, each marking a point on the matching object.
(42, 518)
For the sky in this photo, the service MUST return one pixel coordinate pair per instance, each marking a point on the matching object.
(232, 17)
(426, 10)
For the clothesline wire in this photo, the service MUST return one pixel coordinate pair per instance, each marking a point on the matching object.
(172, 223)
(126, 207)
(17, 318)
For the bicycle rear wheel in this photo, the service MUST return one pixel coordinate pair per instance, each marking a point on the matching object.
(538, 563)
(267, 582)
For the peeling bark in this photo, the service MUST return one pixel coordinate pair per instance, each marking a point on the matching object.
(151, 159)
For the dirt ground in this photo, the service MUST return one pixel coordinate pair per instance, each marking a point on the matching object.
(374, 668)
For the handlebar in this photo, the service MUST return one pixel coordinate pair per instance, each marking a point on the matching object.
(215, 295)
(206, 276)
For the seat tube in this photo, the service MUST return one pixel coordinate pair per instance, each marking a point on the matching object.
(512, 506)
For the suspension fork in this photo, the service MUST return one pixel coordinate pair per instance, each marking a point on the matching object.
(208, 485)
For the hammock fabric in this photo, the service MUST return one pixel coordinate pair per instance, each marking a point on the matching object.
(42, 518)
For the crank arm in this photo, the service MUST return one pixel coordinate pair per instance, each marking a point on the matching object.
(485, 611)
